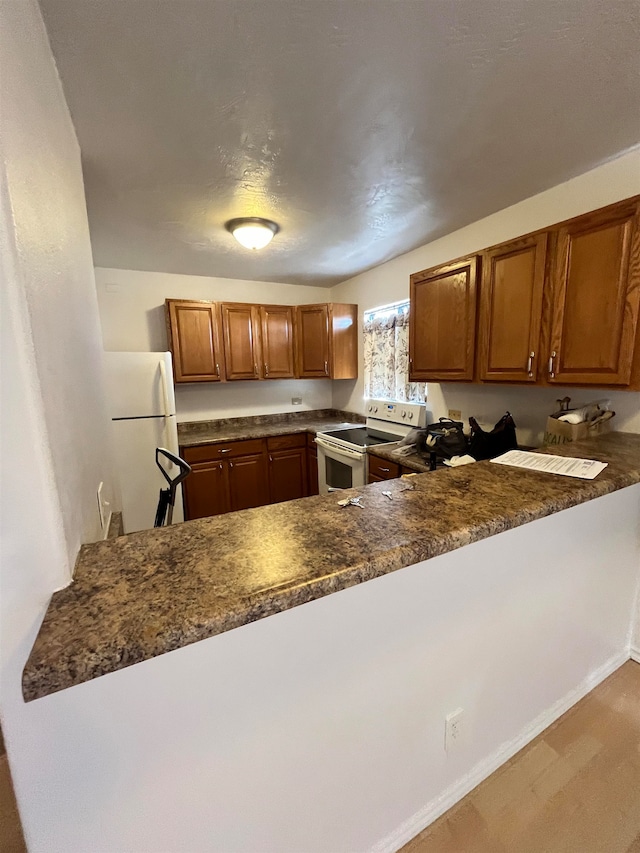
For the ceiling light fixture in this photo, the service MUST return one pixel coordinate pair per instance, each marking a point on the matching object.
(252, 232)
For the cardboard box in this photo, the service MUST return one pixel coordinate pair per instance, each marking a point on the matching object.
(560, 432)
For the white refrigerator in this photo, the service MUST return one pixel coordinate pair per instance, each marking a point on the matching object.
(142, 408)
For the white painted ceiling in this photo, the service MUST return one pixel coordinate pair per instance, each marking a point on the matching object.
(365, 128)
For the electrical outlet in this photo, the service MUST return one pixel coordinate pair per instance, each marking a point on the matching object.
(454, 729)
(296, 401)
(455, 414)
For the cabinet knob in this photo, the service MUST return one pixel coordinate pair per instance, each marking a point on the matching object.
(266, 369)
(326, 368)
(386, 470)
(532, 355)
(217, 369)
(551, 360)
(226, 450)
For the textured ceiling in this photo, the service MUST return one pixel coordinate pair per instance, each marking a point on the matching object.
(364, 127)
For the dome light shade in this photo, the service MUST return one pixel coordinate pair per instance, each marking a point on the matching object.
(252, 232)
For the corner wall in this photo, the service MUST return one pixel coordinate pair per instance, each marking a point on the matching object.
(611, 182)
(55, 441)
(131, 306)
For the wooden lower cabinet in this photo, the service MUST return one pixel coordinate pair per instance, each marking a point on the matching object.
(381, 469)
(206, 492)
(287, 467)
(225, 478)
(235, 475)
(248, 482)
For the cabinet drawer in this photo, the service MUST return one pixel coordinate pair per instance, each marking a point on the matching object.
(284, 442)
(381, 468)
(226, 450)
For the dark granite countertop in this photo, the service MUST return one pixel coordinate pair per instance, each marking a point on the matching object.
(147, 593)
(262, 426)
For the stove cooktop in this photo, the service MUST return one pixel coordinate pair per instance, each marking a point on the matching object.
(361, 436)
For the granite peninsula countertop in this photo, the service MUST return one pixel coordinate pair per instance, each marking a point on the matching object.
(193, 433)
(148, 593)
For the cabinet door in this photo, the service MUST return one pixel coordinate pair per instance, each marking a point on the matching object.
(248, 481)
(241, 327)
(442, 322)
(287, 474)
(343, 320)
(313, 354)
(596, 296)
(194, 340)
(511, 309)
(206, 490)
(276, 322)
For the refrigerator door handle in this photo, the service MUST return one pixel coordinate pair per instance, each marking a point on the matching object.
(165, 391)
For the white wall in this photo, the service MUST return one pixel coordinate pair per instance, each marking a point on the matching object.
(54, 265)
(132, 317)
(54, 427)
(389, 282)
(322, 728)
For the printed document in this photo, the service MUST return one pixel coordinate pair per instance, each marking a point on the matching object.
(567, 466)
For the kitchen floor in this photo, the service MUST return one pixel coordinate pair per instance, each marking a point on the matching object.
(11, 840)
(574, 789)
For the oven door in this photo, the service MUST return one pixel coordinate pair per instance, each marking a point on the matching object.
(339, 467)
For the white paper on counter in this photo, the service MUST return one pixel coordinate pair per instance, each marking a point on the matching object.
(567, 466)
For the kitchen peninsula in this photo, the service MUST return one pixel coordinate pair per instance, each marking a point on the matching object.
(151, 592)
(335, 709)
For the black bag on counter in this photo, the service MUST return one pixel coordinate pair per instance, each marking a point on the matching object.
(445, 439)
(488, 445)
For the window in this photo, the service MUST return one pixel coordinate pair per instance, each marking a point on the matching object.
(386, 355)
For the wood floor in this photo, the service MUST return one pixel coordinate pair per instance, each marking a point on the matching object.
(11, 840)
(574, 789)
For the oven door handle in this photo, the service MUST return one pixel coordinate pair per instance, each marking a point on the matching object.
(339, 451)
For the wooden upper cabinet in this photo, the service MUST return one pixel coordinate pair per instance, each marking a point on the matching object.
(195, 340)
(343, 340)
(511, 309)
(327, 341)
(313, 341)
(596, 297)
(242, 351)
(276, 323)
(442, 322)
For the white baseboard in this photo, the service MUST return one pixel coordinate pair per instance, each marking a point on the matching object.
(635, 653)
(451, 795)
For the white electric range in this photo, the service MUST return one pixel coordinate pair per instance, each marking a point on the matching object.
(342, 453)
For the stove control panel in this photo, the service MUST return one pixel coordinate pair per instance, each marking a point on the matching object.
(409, 414)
